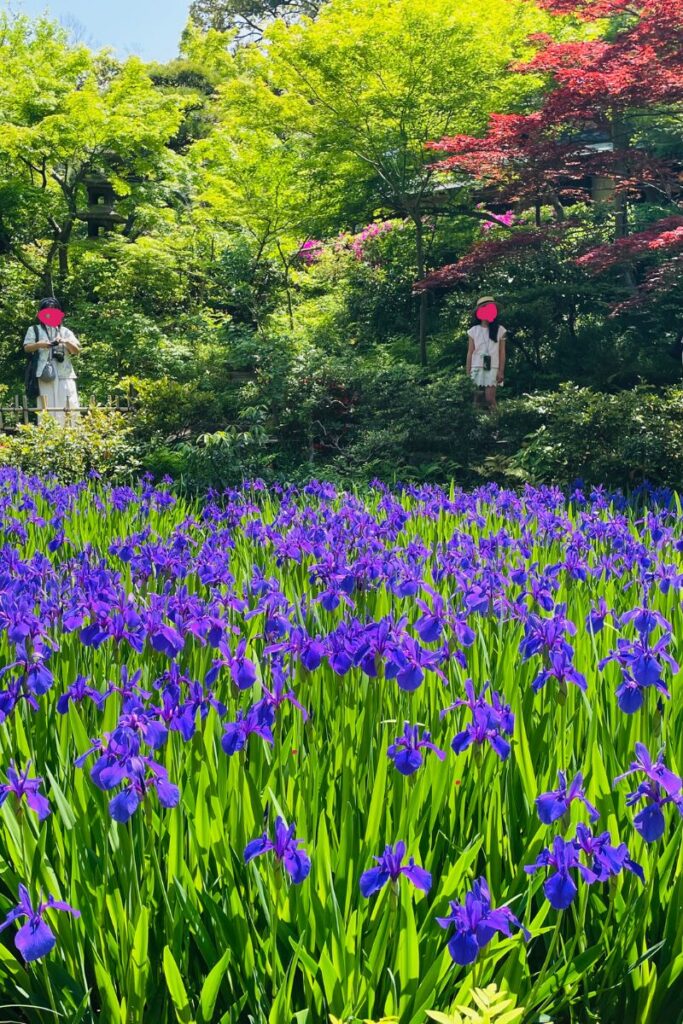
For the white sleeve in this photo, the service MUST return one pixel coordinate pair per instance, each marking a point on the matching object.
(30, 336)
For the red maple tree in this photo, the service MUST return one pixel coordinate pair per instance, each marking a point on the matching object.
(600, 89)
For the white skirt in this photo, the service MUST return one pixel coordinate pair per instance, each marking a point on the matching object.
(484, 378)
(54, 395)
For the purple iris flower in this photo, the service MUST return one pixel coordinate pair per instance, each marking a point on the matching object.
(138, 719)
(287, 850)
(545, 635)
(242, 669)
(561, 668)
(408, 663)
(378, 643)
(656, 771)
(554, 804)
(184, 715)
(114, 754)
(162, 637)
(491, 721)
(130, 688)
(641, 662)
(143, 775)
(595, 620)
(649, 821)
(405, 750)
(606, 860)
(78, 691)
(431, 623)
(559, 887)
(338, 649)
(34, 674)
(281, 692)
(476, 922)
(35, 938)
(20, 784)
(389, 869)
(257, 721)
(646, 620)
(308, 649)
(435, 619)
(661, 787)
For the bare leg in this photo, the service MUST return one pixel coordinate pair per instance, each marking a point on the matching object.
(490, 396)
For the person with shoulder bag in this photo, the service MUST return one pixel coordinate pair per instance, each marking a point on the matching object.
(51, 346)
(485, 362)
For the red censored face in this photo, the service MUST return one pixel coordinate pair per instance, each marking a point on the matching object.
(489, 312)
(51, 317)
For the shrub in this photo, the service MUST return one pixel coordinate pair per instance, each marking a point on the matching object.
(99, 442)
(412, 423)
(227, 457)
(617, 440)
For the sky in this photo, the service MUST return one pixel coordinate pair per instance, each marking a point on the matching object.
(149, 28)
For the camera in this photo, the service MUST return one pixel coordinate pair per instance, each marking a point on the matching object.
(58, 352)
(487, 362)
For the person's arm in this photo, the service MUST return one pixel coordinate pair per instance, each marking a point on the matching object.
(30, 343)
(72, 344)
(470, 353)
(501, 361)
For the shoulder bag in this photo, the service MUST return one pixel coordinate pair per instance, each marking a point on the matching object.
(30, 370)
(49, 372)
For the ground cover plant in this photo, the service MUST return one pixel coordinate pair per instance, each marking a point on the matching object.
(299, 754)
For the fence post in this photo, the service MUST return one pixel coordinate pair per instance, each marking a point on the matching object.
(24, 404)
(43, 402)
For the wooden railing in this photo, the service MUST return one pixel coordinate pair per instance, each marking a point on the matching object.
(20, 411)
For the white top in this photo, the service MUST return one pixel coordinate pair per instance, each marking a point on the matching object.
(65, 370)
(484, 346)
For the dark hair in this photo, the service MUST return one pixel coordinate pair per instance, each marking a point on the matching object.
(493, 326)
(50, 303)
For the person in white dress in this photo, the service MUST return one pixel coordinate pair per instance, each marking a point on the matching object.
(57, 344)
(486, 351)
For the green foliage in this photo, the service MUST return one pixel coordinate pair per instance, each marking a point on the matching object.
(175, 926)
(617, 440)
(100, 442)
(492, 1007)
(227, 457)
(225, 160)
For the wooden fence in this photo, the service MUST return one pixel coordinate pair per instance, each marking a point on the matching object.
(20, 411)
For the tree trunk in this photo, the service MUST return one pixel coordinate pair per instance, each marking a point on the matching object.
(420, 261)
(288, 291)
(621, 140)
(64, 239)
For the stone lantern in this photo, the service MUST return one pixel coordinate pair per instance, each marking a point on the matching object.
(100, 213)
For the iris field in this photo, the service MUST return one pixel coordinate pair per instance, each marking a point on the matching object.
(291, 755)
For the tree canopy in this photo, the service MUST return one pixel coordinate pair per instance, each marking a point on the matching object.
(302, 206)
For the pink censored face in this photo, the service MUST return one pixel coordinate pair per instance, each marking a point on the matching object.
(489, 312)
(51, 317)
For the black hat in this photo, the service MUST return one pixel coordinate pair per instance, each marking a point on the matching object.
(50, 303)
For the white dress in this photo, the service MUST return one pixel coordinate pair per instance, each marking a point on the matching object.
(56, 394)
(484, 346)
